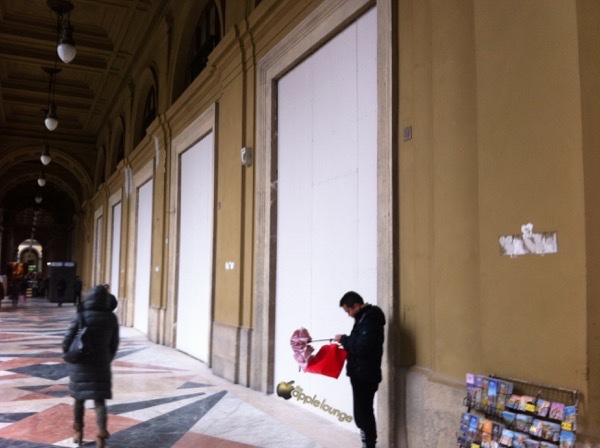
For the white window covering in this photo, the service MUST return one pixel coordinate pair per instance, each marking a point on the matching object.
(326, 198)
(143, 257)
(194, 304)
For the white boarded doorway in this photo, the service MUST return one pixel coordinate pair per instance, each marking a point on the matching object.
(195, 259)
(143, 253)
(326, 198)
(115, 249)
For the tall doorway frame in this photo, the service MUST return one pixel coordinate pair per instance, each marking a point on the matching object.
(325, 21)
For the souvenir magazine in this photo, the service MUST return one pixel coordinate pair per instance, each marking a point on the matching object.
(542, 407)
(557, 411)
(507, 437)
(513, 402)
(571, 417)
(567, 439)
(536, 428)
(509, 418)
(523, 422)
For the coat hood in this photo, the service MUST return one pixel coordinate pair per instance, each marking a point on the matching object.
(97, 299)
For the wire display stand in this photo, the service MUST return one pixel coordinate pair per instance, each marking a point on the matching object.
(569, 397)
(501, 410)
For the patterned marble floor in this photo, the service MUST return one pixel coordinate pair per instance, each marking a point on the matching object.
(162, 397)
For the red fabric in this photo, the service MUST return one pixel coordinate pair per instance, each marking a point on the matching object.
(328, 361)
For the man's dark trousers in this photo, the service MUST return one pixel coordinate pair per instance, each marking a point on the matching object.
(364, 394)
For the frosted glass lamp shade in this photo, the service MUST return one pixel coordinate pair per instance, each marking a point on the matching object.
(45, 157)
(66, 52)
(66, 45)
(51, 120)
(51, 123)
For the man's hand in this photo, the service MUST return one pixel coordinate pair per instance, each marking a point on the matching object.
(337, 338)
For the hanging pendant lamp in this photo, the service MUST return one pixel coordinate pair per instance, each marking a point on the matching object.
(42, 179)
(45, 157)
(66, 45)
(51, 118)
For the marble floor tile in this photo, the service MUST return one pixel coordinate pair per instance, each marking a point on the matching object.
(162, 398)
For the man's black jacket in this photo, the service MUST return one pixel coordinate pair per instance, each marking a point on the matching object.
(365, 345)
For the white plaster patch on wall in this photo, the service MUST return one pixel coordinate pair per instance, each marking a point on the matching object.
(528, 243)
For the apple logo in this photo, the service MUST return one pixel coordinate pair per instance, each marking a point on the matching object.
(284, 390)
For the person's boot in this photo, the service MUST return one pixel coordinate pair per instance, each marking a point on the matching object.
(78, 436)
(101, 438)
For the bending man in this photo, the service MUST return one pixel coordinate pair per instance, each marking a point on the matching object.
(365, 350)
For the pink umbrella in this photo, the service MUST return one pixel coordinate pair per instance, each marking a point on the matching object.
(303, 351)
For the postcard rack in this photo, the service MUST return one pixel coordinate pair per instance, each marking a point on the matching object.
(507, 412)
(569, 397)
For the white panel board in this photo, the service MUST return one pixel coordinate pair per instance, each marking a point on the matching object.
(367, 154)
(115, 264)
(194, 286)
(143, 257)
(98, 236)
(326, 198)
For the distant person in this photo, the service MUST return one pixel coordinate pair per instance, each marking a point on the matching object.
(77, 287)
(91, 379)
(23, 286)
(46, 287)
(61, 289)
(13, 293)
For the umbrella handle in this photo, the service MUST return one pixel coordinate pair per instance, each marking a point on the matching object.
(321, 340)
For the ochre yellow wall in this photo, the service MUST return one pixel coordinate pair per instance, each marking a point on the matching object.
(493, 93)
(438, 168)
(455, 209)
(530, 164)
(588, 15)
(229, 206)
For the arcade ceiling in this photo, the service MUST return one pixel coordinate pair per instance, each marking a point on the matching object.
(106, 34)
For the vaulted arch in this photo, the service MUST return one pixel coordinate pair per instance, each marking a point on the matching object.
(145, 103)
(201, 33)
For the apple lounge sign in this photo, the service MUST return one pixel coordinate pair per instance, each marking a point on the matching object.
(286, 390)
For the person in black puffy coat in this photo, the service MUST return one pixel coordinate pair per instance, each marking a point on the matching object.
(91, 379)
(365, 350)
